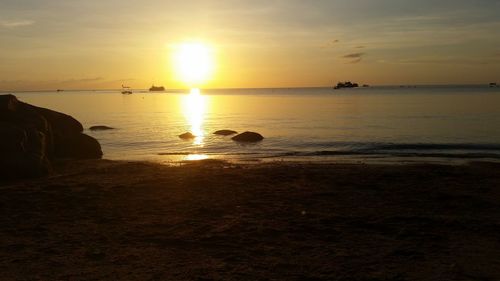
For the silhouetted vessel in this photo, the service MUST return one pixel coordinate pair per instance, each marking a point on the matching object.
(493, 84)
(126, 90)
(156, 88)
(347, 84)
(60, 90)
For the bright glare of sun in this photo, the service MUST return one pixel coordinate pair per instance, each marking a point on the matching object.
(193, 107)
(193, 62)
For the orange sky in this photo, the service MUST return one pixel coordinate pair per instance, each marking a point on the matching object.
(94, 45)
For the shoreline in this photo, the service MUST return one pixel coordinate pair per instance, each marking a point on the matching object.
(214, 220)
(189, 158)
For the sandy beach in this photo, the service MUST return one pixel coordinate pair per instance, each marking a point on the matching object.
(210, 220)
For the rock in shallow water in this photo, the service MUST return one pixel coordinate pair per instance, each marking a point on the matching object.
(225, 132)
(100, 128)
(248, 137)
(187, 136)
(32, 136)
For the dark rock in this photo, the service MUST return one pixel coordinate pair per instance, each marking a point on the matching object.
(22, 114)
(248, 137)
(187, 136)
(23, 152)
(13, 138)
(225, 132)
(61, 123)
(80, 146)
(33, 136)
(100, 128)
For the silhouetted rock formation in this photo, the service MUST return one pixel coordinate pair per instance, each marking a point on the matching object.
(23, 152)
(100, 128)
(225, 132)
(187, 136)
(248, 137)
(33, 136)
(79, 146)
(347, 84)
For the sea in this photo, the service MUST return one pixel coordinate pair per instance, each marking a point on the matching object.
(386, 124)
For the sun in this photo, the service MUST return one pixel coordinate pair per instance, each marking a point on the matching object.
(193, 62)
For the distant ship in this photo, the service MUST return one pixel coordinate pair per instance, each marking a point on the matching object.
(156, 89)
(347, 84)
(493, 84)
(126, 90)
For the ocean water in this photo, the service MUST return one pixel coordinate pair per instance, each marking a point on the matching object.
(381, 124)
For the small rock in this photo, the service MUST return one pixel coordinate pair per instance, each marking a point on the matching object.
(225, 132)
(248, 137)
(187, 136)
(100, 128)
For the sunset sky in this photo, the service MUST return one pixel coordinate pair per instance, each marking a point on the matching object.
(96, 44)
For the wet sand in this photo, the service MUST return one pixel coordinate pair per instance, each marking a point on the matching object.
(105, 220)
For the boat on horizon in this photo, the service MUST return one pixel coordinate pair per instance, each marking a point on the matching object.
(126, 90)
(156, 88)
(347, 84)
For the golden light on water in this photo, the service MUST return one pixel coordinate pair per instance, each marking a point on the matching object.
(194, 107)
(193, 63)
(196, 157)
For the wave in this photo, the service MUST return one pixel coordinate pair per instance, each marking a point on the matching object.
(435, 146)
(207, 153)
(388, 146)
(408, 154)
(360, 150)
(414, 150)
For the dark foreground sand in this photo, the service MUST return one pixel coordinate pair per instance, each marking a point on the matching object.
(103, 220)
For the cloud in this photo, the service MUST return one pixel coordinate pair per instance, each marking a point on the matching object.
(16, 23)
(450, 60)
(330, 43)
(123, 80)
(356, 60)
(83, 80)
(354, 56)
(68, 84)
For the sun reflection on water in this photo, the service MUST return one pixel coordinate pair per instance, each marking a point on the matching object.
(193, 108)
(196, 157)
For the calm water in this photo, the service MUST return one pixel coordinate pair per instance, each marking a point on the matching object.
(382, 124)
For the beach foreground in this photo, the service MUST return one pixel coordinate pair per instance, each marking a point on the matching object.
(210, 220)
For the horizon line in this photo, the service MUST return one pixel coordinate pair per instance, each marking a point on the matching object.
(249, 88)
